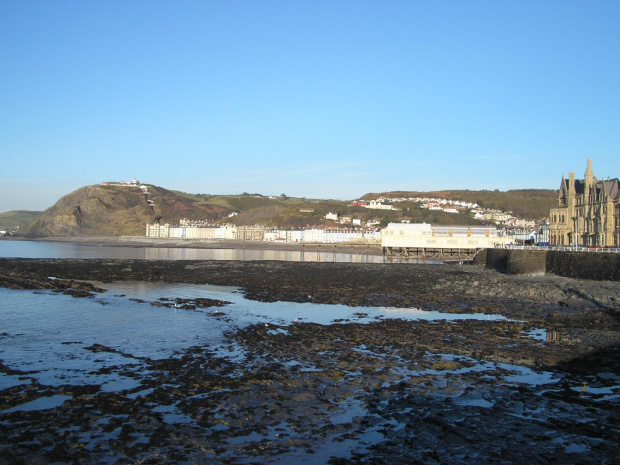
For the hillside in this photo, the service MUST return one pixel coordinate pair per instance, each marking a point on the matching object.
(114, 210)
(16, 219)
(117, 210)
(523, 203)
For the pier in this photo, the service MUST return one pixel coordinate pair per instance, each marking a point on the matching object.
(430, 253)
(437, 243)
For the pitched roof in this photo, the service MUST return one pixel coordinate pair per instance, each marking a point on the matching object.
(612, 188)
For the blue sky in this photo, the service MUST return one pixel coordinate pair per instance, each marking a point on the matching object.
(318, 99)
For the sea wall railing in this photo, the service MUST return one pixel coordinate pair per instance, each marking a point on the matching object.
(565, 248)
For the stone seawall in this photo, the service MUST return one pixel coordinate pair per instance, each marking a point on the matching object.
(580, 265)
(585, 265)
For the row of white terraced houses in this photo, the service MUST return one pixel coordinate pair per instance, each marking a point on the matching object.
(395, 235)
(262, 233)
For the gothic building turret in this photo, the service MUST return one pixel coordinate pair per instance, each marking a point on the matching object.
(588, 212)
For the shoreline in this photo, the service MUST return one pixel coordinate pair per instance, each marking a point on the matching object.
(142, 242)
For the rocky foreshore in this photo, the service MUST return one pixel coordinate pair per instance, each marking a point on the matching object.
(433, 391)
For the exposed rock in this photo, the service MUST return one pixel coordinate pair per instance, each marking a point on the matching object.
(112, 210)
(391, 391)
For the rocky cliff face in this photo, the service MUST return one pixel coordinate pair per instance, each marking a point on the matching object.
(114, 210)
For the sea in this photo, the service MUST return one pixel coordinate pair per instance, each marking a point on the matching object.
(50, 249)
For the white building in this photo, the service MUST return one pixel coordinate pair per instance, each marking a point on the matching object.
(275, 235)
(158, 230)
(426, 236)
(293, 235)
(379, 205)
(313, 235)
(342, 235)
(191, 232)
(372, 235)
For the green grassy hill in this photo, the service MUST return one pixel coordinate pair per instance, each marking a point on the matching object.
(16, 219)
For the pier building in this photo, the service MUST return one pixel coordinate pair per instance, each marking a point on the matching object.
(424, 240)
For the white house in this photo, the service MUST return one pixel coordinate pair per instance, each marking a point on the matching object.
(379, 205)
(313, 235)
(293, 235)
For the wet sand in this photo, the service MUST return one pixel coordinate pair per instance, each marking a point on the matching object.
(420, 392)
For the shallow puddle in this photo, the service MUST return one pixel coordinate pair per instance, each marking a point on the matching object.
(192, 371)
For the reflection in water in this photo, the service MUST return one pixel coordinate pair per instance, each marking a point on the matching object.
(39, 249)
(51, 334)
(58, 339)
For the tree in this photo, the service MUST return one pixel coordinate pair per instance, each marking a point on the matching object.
(385, 220)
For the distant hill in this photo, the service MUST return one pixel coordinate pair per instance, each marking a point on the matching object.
(16, 219)
(523, 203)
(119, 210)
(280, 211)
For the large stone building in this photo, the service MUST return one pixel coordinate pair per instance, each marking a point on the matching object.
(588, 212)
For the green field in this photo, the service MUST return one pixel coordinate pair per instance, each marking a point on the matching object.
(16, 219)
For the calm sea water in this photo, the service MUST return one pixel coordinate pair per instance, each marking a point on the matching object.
(38, 249)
